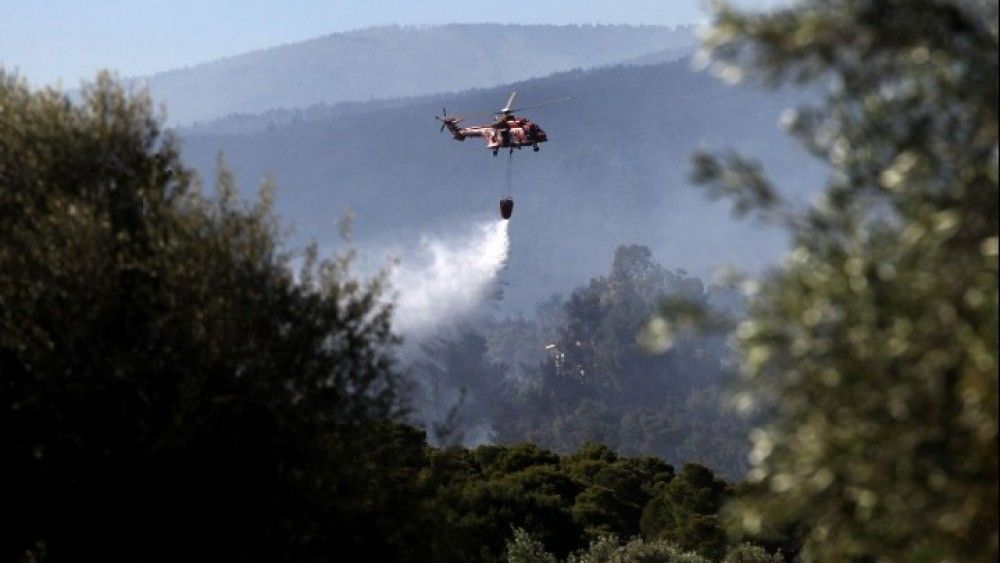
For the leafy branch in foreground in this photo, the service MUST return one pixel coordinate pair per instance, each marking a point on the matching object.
(875, 344)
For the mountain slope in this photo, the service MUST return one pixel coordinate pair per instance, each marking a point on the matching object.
(615, 171)
(394, 61)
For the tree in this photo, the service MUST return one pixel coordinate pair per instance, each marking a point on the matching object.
(491, 490)
(521, 548)
(608, 549)
(601, 383)
(462, 386)
(476, 496)
(168, 386)
(750, 553)
(873, 349)
(685, 512)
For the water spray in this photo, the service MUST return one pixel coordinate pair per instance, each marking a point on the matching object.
(448, 278)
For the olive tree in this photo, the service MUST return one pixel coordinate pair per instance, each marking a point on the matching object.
(873, 347)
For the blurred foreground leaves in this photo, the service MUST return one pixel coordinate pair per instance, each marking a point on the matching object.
(874, 347)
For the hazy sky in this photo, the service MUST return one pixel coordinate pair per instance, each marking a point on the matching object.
(68, 40)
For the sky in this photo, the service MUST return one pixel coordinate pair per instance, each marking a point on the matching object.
(66, 41)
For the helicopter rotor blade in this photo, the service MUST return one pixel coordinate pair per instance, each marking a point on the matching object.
(510, 102)
(556, 101)
(478, 115)
(503, 111)
(449, 119)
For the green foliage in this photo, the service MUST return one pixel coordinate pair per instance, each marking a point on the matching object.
(684, 512)
(601, 511)
(479, 516)
(509, 459)
(521, 548)
(874, 348)
(607, 549)
(168, 387)
(600, 383)
(618, 492)
(750, 553)
(562, 502)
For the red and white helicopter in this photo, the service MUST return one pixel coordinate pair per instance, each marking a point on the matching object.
(506, 131)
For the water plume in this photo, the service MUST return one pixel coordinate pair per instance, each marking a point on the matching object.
(446, 279)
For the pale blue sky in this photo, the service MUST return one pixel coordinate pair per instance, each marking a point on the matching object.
(69, 40)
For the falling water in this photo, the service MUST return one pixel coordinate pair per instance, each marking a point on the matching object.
(448, 278)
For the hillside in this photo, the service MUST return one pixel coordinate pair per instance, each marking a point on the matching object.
(615, 171)
(394, 61)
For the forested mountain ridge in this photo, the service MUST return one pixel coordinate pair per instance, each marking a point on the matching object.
(394, 61)
(616, 170)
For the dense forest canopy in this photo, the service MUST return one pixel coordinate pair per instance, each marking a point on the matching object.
(578, 372)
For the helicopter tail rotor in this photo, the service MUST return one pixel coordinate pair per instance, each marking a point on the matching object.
(444, 116)
(449, 121)
(445, 120)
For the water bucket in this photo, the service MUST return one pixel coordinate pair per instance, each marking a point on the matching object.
(506, 208)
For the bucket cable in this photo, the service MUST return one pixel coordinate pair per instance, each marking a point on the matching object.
(508, 180)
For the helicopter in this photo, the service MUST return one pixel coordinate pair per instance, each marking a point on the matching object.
(506, 130)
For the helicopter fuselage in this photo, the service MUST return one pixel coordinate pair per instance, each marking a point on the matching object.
(509, 132)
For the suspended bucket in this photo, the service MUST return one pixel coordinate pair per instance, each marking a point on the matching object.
(506, 207)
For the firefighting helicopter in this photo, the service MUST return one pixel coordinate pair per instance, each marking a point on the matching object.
(506, 131)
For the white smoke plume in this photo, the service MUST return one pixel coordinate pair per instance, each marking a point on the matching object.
(446, 279)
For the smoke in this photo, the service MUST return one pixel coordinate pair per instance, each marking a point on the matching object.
(447, 279)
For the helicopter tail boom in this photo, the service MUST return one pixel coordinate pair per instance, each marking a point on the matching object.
(451, 122)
